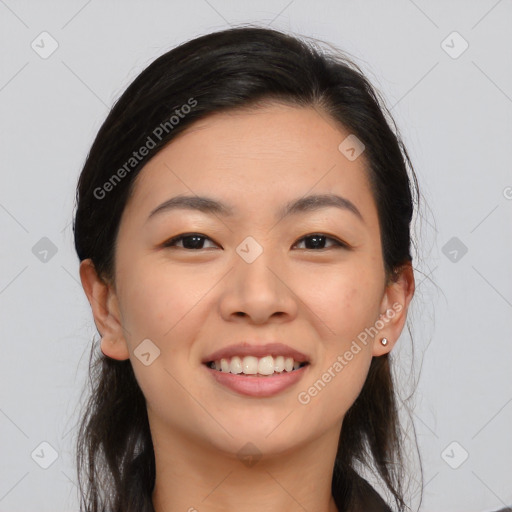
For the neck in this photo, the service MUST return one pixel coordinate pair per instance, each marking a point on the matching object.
(196, 477)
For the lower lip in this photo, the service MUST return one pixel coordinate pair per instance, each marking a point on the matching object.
(253, 385)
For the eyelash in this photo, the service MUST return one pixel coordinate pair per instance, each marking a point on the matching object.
(338, 243)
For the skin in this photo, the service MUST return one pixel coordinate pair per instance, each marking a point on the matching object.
(190, 302)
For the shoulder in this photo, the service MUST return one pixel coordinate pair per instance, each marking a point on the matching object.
(367, 499)
(354, 493)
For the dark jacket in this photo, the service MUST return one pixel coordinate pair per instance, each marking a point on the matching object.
(355, 494)
(369, 500)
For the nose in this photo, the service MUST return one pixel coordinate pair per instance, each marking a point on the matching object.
(258, 292)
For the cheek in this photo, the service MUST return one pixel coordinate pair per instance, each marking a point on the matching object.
(334, 385)
(347, 300)
(155, 298)
(348, 304)
(157, 303)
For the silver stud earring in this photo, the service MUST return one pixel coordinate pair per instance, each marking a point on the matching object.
(384, 341)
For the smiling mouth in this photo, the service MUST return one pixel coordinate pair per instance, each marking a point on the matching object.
(250, 366)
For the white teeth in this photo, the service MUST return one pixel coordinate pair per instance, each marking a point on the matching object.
(266, 365)
(236, 365)
(250, 365)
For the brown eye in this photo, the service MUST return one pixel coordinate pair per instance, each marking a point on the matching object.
(318, 241)
(191, 241)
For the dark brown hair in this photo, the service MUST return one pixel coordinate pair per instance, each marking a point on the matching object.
(232, 69)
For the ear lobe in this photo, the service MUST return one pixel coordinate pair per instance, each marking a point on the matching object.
(394, 306)
(103, 303)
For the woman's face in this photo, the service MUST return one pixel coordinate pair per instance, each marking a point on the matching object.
(252, 278)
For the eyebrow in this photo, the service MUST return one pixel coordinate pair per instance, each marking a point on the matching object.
(303, 204)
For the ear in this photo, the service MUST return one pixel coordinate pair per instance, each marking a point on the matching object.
(394, 306)
(105, 309)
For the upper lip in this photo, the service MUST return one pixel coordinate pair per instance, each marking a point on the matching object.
(256, 350)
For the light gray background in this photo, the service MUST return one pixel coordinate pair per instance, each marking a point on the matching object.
(455, 115)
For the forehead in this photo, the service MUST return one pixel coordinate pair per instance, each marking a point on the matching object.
(251, 157)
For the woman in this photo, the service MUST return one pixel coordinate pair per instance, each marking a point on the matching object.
(243, 226)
